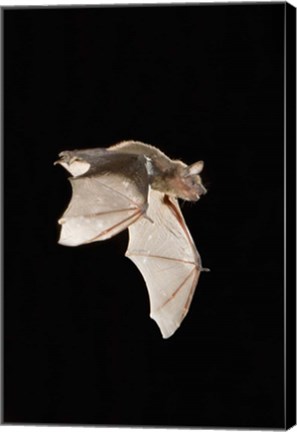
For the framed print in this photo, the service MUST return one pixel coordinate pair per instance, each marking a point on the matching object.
(200, 101)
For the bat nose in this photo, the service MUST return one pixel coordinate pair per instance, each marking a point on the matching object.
(202, 190)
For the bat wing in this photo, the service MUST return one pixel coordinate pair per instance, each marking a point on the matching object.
(162, 248)
(109, 192)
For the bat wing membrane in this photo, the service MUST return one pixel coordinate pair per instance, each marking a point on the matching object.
(162, 248)
(109, 192)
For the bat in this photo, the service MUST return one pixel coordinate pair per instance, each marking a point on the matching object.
(136, 186)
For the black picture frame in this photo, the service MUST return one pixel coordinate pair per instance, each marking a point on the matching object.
(213, 82)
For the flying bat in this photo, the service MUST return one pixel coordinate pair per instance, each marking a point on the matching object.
(136, 186)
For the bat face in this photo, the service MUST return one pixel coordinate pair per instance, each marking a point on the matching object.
(134, 185)
(188, 187)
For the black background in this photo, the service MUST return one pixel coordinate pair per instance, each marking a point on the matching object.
(199, 82)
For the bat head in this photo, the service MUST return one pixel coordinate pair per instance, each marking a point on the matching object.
(181, 181)
(190, 183)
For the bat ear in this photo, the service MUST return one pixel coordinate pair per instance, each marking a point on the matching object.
(195, 168)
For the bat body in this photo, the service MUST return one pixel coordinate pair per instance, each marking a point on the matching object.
(134, 185)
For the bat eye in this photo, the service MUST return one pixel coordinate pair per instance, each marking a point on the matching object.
(193, 180)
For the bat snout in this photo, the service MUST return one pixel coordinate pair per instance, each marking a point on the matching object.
(201, 189)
